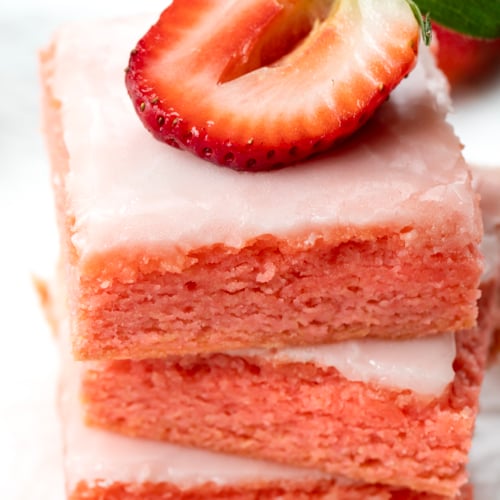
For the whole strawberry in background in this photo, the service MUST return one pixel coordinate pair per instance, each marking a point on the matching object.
(465, 59)
(467, 37)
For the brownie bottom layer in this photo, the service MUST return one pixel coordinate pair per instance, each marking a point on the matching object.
(297, 413)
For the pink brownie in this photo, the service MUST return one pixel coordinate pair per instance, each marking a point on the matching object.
(100, 465)
(395, 412)
(167, 254)
(298, 413)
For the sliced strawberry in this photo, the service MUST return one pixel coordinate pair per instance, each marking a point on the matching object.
(463, 58)
(257, 84)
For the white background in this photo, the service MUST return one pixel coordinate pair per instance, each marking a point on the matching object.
(29, 440)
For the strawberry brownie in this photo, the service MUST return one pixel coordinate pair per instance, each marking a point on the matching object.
(100, 465)
(168, 254)
(372, 416)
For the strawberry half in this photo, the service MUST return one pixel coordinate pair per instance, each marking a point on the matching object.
(258, 84)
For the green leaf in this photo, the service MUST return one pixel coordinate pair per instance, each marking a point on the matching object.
(478, 18)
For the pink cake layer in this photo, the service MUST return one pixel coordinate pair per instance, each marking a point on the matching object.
(300, 413)
(101, 465)
(167, 254)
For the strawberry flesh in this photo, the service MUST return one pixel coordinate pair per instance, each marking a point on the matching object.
(258, 84)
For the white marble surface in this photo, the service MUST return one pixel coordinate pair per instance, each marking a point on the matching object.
(29, 436)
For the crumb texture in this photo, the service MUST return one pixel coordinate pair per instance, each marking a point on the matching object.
(269, 294)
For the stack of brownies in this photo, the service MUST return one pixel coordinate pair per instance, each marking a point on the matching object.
(303, 333)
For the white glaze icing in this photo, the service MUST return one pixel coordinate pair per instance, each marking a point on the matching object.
(423, 365)
(125, 187)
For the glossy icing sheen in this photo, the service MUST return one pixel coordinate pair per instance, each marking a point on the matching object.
(126, 188)
(423, 365)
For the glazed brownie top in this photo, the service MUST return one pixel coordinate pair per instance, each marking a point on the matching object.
(403, 172)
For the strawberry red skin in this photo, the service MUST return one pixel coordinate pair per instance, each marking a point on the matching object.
(463, 58)
(177, 115)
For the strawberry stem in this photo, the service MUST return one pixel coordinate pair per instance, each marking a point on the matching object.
(423, 21)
